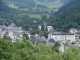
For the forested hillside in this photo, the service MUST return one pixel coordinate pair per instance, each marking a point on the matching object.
(52, 5)
(2, 6)
(71, 4)
(19, 17)
(65, 1)
(67, 20)
(25, 17)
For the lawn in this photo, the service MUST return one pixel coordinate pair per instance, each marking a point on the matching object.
(35, 16)
(24, 9)
(57, 4)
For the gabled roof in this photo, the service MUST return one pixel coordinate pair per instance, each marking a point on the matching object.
(52, 40)
(43, 38)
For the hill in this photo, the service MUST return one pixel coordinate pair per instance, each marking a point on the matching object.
(67, 20)
(24, 15)
(65, 1)
(69, 5)
(50, 4)
(2, 6)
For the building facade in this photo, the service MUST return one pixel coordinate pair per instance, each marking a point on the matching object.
(59, 36)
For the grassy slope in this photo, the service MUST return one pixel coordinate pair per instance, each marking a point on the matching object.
(54, 5)
(35, 16)
(51, 5)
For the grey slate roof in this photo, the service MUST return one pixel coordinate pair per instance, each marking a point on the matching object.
(61, 33)
(51, 40)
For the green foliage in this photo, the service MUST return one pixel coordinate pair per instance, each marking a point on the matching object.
(56, 47)
(45, 34)
(25, 50)
(71, 4)
(67, 20)
(26, 36)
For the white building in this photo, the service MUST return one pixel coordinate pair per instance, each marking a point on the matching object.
(12, 32)
(49, 28)
(76, 32)
(72, 30)
(62, 37)
(15, 34)
(45, 25)
(39, 27)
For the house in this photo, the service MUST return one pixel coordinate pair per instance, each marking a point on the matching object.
(50, 28)
(42, 39)
(72, 30)
(50, 42)
(76, 32)
(38, 39)
(61, 36)
(77, 37)
(39, 27)
(45, 25)
(15, 33)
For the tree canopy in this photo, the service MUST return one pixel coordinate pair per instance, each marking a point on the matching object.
(26, 50)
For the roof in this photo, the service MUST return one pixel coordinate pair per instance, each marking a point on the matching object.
(43, 38)
(51, 40)
(49, 27)
(61, 33)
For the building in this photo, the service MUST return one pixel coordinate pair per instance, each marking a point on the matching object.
(11, 32)
(76, 32)
(50, 28)
(45, 25)
(77, 37)
(50, 42)
(39, 27)
(72, 30)
(14, 33)
(62, 37)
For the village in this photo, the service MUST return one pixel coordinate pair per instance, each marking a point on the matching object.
(11, 32)
(14, 33)
(66, 40)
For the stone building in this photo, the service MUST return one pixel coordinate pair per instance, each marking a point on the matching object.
(11, 32)
(63, 37)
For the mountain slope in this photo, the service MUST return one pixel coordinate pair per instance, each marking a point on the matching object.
(67, 20)
(65, 1)
(2, 6)
(69, 5)
(51, 4)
